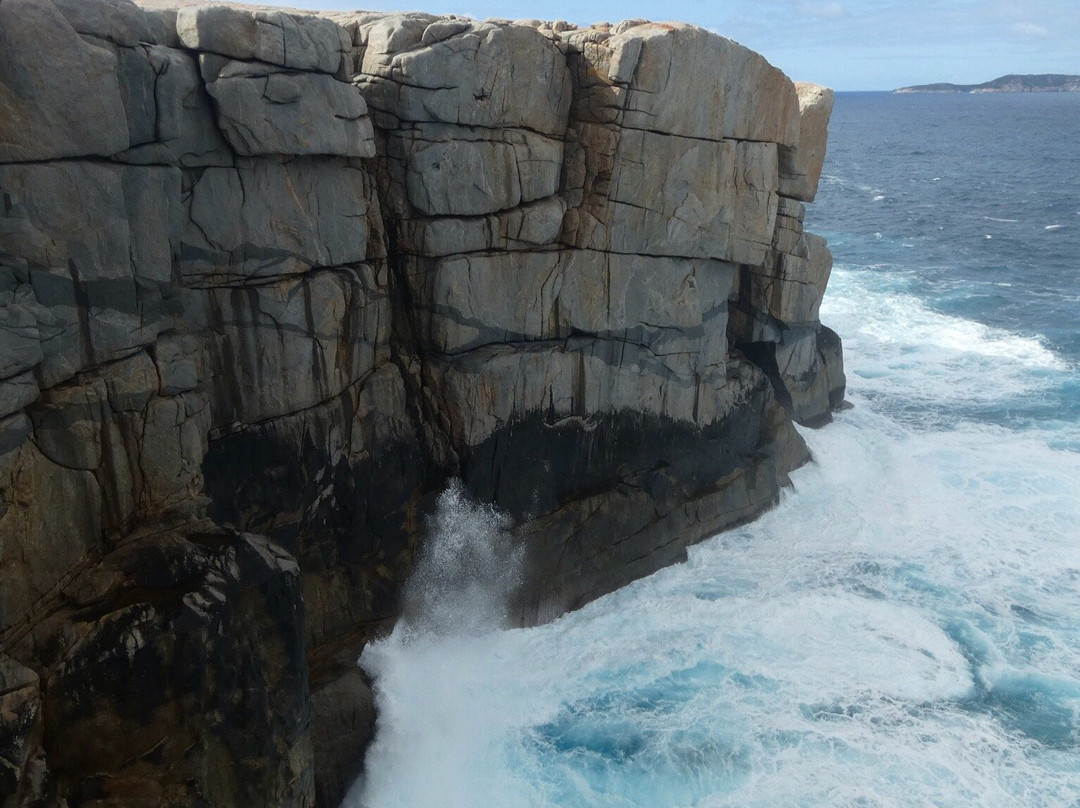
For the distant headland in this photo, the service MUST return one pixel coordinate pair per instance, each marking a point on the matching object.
(1045, 83)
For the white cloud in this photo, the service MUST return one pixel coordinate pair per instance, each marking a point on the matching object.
(1029, 29)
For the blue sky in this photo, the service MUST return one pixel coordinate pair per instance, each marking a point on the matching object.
(845, 44)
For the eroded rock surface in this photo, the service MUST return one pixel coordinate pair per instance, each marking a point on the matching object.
(269, 280)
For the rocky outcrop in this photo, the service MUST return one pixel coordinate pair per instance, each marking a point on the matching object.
(268, 281)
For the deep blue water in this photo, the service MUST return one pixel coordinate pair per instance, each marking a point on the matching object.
(904, 629)
(971, 203)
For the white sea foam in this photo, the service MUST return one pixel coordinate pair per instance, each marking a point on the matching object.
(1053, 227)
(901, 347)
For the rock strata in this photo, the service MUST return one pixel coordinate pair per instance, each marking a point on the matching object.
(270, 280)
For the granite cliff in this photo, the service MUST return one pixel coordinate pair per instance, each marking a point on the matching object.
(268, 281)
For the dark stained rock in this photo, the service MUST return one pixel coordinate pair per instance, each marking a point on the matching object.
(342, 726)
(175, 674)
(24, 777)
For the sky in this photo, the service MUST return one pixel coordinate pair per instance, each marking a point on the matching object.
(845, 44)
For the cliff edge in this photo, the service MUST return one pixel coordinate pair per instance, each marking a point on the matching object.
(269, 280)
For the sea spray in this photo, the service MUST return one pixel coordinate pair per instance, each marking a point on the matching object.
(467, 572)
(438, 714)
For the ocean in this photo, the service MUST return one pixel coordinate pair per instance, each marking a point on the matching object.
(904, 628)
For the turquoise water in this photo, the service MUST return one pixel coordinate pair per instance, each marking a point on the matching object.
(904, 629)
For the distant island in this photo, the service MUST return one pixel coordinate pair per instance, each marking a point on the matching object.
(1045, 83)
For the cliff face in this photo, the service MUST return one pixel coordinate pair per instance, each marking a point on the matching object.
(268, 281)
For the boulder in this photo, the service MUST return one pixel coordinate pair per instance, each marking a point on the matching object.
(189, 648)
(711, 200)
(187, 133)
(684, 80)
(669, 305)
(789, 285)
(118, 21)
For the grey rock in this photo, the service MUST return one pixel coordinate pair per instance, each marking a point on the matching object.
(831, 350)
(118, 21)
(672, 306)
(60, 94)
(522, 228)
(800, 165)
(713, 200)
(137, 91)
(300, 41)
(790, 284)
(476, 77)
(22, 771)
(266, 218)
(686, 81)
(42, 542)
(186, 127)
(177, 361)
(216, 616)
(132, 383)
(160, 16)
(444, 29)
(353, 471)
(287, 346)
(104, 253)
(799, 368)
(67, 425)
(17, 392)
(489, 388)
(807, 372)
(658, 508)
(231, 296)
(267, 110)
(20, 341)
(517, 167)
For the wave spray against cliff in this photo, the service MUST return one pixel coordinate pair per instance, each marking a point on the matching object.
(436, 712)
